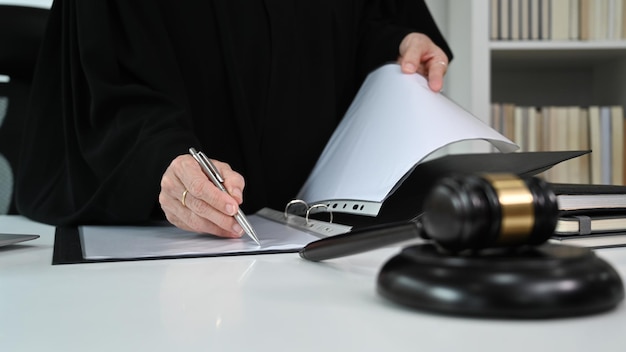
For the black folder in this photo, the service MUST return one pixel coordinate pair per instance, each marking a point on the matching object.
(405, 203)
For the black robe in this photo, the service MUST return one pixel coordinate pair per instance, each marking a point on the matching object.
(123, 87)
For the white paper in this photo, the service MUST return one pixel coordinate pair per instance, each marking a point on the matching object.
(130, 242)
(394, 122)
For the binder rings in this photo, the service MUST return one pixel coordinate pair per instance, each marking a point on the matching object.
(406, 201)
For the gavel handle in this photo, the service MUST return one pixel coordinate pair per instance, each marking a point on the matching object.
(361, 240)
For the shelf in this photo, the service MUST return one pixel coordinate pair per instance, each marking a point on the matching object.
(558, 72)
(531, 73)
(559, 45)
(523, 55)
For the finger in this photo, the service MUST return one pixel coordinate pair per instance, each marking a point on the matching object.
(201, 188)
(200, 216)
(194, 223)
(172, 189)
(206, 204)
(436, 70)
(412, 49)
(418, 54)
(432, 70)
(410, 61)
(233, 181)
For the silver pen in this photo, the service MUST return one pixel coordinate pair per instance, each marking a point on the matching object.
(211, 171)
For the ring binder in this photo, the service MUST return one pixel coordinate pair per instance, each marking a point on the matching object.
(309, 209)
(387, 148)
(312, 226)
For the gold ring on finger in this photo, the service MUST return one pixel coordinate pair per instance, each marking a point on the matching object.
(184, 196)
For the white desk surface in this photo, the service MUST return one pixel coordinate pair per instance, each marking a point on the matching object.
(275, 302)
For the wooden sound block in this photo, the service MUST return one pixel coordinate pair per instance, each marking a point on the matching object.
(547, 281)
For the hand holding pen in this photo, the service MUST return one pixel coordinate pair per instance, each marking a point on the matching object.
(214, 175)
(193, 198)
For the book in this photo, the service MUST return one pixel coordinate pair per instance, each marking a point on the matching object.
(585, 160)
(496, 117)
(514, 11)
(587, 225)
(560, 19)
(505, 24)
(599, 19)
(623, 15)
(617, 144)
(535, 19)
(520, 128)
(615, 19)
(589, 198)
(598, 241)
(574, 20)
(494, 19)
(535, 124)
(558, 134)
(606, 145)
(595, 143)
(544, 18)
(577, 139)
(584, 20)
(508, 120)
(524, 19)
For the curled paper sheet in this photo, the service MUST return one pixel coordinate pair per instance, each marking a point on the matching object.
(393, 124)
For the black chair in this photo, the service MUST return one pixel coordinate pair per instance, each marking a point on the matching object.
(21, 32)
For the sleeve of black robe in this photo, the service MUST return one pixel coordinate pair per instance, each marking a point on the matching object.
(114, 60)
(102, 168)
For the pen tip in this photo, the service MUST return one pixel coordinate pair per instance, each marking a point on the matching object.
(254, 238)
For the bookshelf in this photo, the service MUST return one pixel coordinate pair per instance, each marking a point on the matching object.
(541, 72)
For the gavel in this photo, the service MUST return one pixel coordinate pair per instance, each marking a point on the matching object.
(461, 212)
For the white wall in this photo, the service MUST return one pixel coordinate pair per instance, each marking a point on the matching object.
(439, 10)
(34, 3)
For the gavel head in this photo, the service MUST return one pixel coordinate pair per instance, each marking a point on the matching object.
(489, 210)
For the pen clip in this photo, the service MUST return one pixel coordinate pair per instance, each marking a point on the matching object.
(208, 167)
(211, 167)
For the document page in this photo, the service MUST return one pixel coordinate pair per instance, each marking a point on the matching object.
(394, 122)
(165, 240)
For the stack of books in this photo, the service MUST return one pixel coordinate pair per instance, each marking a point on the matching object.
(591, 215)
(557, 20)
(600, 129)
